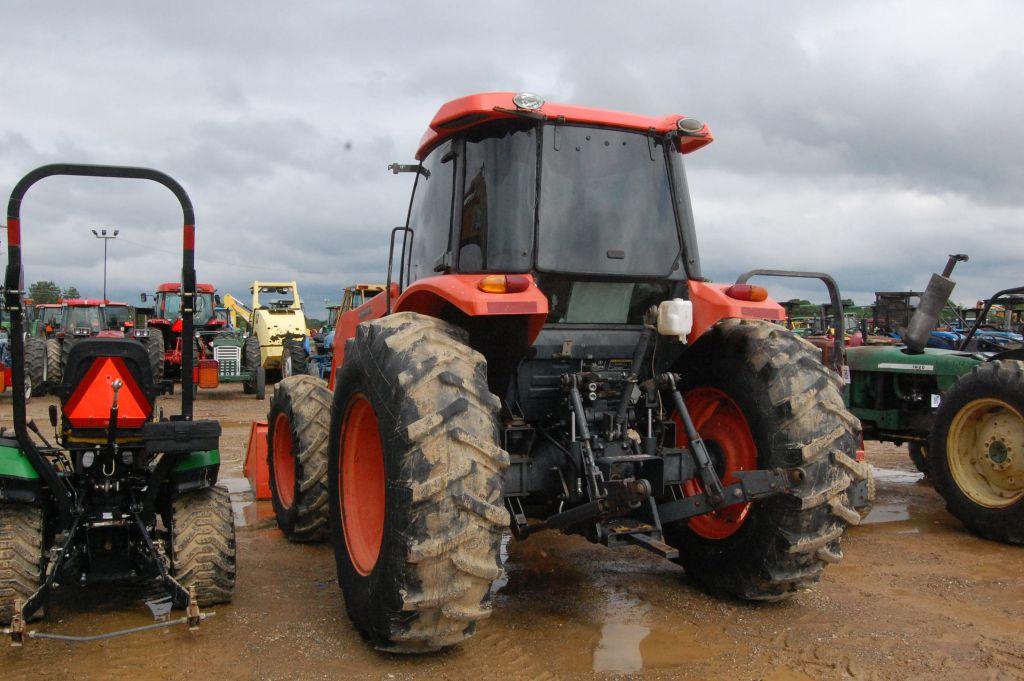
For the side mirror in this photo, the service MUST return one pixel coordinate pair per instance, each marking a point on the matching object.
(142, 297)
(216, 299)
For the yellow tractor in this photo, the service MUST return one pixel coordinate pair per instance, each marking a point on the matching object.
(277, 324)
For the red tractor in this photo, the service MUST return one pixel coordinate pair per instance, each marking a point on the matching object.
(166, 319)
(81, 318)
(550, 356)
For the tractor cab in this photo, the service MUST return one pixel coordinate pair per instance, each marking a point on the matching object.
(48, 319)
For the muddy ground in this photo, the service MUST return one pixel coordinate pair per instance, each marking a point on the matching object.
(916, 597)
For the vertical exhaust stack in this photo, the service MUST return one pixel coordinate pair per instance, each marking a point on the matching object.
(934, 298)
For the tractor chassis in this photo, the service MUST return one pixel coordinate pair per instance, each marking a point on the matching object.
(621, 508)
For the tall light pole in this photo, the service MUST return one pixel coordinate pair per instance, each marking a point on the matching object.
(102, 234)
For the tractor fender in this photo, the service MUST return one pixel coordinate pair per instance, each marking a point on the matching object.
(711, 305)
(435, 296)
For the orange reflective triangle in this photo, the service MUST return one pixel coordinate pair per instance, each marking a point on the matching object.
(89, 406)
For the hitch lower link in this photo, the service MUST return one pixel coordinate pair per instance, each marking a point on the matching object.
(17, 630)
(752, 485)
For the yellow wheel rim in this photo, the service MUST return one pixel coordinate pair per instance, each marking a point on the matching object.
(985, 451)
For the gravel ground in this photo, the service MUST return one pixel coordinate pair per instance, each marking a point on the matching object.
(916, 597)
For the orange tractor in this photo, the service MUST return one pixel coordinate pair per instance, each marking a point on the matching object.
(548, 355)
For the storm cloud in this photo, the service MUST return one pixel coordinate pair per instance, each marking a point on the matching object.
(865, 139)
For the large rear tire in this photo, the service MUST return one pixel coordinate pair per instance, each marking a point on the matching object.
(251, 362)
(155, 349)
(761, 398)
(22, 558)
(35, 365)
(415, 475)
(977, 450)
(53, 360)
(298, 424)
(203, 544)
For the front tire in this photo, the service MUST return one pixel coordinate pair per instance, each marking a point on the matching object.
(251, 362)
(977, 450)
(293, 358)
(919, 455)
(35, 365)
(155, 349)
(203, 544)
(761, 398)
(53, 360)
(298, 424)
(415, 475)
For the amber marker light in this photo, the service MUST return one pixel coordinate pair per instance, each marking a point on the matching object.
(753, 294)
(503, 283)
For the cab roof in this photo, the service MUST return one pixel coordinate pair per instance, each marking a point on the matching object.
(175, 287)
(466, 112)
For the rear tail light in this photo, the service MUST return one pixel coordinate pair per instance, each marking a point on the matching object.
(753, 294)
(207, 373)
(503, 283)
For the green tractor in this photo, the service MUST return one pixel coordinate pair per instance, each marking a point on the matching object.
(960, 411)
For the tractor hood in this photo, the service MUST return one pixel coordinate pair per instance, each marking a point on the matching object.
(890, 358)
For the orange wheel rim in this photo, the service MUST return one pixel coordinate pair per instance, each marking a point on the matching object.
(361, 487)
(723, 427)
(284, 461)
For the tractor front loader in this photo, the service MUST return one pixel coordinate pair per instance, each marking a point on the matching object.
(548, 356)
(120, 493)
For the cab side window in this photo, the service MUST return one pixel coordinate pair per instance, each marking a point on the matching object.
(431, 214)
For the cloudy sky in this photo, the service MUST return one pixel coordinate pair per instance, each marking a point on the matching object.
(866, 139)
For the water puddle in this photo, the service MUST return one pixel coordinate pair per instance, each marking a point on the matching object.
(887, 513)
(247, 511)
(619, 648)
(896, 477)
(631, 647)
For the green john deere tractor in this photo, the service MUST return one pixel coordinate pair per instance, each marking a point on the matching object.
(960, 411)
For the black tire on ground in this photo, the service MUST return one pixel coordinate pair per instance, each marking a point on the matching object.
(981, 417)
(250, 362)
(203, 544)
(261, 383)
(22, 534)
(53, 363)
(35, 365)
(794, 409)
(443, 517)
(155, 349)
(299, 418)
(293, 358)
(65, 350)
(919, 455)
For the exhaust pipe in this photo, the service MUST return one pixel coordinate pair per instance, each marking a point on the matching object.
(933, 300)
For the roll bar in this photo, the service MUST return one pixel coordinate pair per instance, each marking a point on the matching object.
(839, 354)
(984, 312)
(13, 303)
